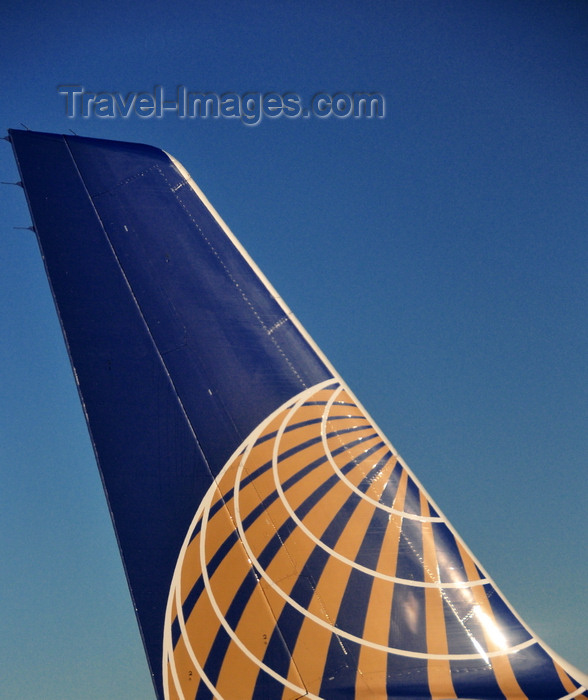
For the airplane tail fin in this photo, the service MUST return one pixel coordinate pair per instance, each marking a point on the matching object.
(275, 544)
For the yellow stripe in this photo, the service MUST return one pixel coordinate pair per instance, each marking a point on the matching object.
(201, 629)
(439, 671)
(566, 681)
(373, 664)
(313, 641)
(310, 652)
(184, 669)
(400, 496)
(500, 664)
(239, 673)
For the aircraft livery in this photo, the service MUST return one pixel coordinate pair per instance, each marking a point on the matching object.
(275, 544)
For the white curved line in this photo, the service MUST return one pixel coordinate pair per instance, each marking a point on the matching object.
(175, 587)
(573, 694)
(190, 650)
(245, 446)
(172, 668)
(204, 508)
(336, 377)
(258, 662)
(175, 591)
(349, 562)
(364, 496)
(335, 630)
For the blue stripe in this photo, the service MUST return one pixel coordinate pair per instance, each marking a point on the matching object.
(280, 655)
(475, 673)
(410, 547)
(536, 674)
(340, 671)
(412, 503)
(506, 621)
(391, 488)
(203, 693)
(277, 541)
(407, 621)
(354, 606)
(374, 474)
(449, 560)
(267, 687)
(457, 608)
(196, 590)
(462, 625)
(290, 620)
(407, 679)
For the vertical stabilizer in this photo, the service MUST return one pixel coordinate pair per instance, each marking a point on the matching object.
(275, 544)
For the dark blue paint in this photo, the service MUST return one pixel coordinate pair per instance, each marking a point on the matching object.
(475, 673)
(412, 502)
(410, 547)
(450, 562)
(536, 674)
(407, 623)
(152, 323)
(179, 351)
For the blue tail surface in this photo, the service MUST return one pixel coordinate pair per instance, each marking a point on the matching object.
(275, 544)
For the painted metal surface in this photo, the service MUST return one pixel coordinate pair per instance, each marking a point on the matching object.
(274, 543)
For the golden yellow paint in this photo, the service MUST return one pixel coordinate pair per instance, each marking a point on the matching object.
(239, 673)
(185, 669)
(191, 569)
(292, 676)
(291, 465)
(259, 456)
(218, 529)
(201, 630)
(470, 567)
(320, 516)
(400, 497)
(307, 485)
(501, 665)
(188, 677)
(506, 679)
(229, 575)
(373, 664)
(379, 482)
(310, 653)
(439, 671)
(566, 681)
(440, 683)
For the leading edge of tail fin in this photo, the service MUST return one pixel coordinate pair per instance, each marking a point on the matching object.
(274, 542)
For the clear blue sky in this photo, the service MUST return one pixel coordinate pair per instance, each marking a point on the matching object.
(438, 256)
